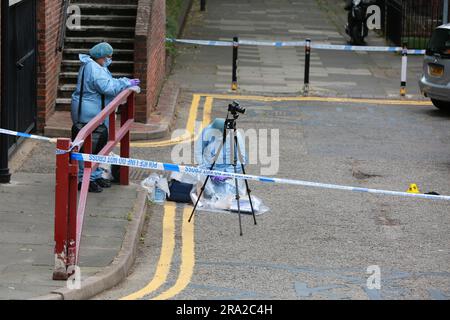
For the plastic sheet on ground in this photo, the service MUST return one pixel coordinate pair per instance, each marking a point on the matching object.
(221, 196)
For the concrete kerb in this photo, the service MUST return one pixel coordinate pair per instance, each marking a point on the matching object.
(119, 269)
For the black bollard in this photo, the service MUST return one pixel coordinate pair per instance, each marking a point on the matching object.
(307, 65)
(234, 84)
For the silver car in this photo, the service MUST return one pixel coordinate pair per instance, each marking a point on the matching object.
(435, 82)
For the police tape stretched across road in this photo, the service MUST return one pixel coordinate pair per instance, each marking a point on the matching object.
(26, 135)
(152, 165)
(280, 44)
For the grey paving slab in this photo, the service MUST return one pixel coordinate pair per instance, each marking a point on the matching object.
(27, 227)
(278, 21)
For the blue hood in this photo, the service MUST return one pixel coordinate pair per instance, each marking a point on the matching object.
(85, 58)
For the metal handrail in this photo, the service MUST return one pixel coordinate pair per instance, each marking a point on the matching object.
(69, 208)
(63, 25)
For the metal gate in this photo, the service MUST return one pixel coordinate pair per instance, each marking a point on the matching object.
(20, 67)
(411, 21)
(394, 21)
(420, 18)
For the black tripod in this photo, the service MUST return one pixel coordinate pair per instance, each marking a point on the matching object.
(230, 125)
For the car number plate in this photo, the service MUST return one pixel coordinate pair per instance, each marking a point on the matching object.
(436, 70)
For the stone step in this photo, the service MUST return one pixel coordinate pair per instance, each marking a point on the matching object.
(64, 101)
(102, 31)
(74, 55)
(67, 87)
(94, 40)
(64, 96)
(74, 75)
(76, 63)
(106, 8)
(63, 104)
(118, 67)
(86, 51)
(91, 5)
(92, 17)
(103, 28)
(111, 20)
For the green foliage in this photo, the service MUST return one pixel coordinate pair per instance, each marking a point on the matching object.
(173, 9)
(416, 42)
(130, 216)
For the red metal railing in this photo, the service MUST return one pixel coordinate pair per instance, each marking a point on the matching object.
(69, 212)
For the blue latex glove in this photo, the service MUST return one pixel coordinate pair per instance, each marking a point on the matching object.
(219, 179)
(135, 82)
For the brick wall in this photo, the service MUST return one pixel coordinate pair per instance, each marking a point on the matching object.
(150, 54)
(49, 60)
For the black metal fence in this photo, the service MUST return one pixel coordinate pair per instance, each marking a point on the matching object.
(411, 21)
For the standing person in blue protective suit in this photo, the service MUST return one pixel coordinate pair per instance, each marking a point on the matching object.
(206, 149)
(98, 82)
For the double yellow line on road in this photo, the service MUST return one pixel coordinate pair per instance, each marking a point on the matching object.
(320, 99)
(168, 238)
(166, 257)
(187, 259)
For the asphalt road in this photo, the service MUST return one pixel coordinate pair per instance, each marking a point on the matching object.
(314, 243)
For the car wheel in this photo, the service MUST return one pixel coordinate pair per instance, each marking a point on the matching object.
(442, 105)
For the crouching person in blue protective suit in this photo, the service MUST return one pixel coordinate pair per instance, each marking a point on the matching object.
(99, 88)
(206, 149)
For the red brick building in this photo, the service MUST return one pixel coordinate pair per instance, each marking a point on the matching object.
(136, 29)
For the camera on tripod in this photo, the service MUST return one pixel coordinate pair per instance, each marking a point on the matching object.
(236, 108)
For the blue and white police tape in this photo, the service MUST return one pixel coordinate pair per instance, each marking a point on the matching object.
(363, 48)
(159, 166)
(41, 138)
(26, 135)
(203, 42)
(279, 44)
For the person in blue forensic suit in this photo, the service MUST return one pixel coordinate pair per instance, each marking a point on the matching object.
(206, 148)
(98, 81)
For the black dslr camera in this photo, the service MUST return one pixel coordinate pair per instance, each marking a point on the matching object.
(235, 108)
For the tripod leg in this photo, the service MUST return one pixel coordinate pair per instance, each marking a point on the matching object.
(249, 197)
(198, 199)
(238, 148)
(238, 205)
(234, 160)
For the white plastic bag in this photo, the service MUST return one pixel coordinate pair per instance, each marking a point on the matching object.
(157, 188)
(106, 168)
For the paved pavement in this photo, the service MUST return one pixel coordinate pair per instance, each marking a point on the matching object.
(270, 70)
(27, 228)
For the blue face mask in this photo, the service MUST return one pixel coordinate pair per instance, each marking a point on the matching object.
(108, 62)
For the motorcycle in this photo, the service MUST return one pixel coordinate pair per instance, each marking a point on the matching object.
(357, 27)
